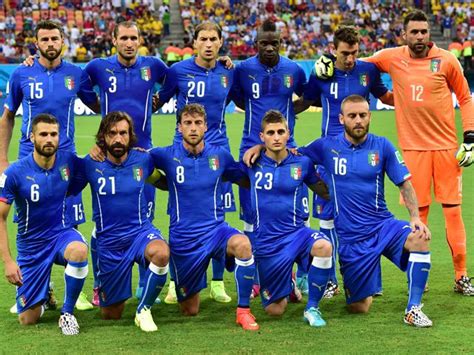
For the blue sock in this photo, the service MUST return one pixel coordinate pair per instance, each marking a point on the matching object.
(218, 265)
(419, 264)
(95, 269)
(74, 278)
(244, 275)
(154, 280)
(331, 234)
(251, 235)
(141, 276)
(318, 277)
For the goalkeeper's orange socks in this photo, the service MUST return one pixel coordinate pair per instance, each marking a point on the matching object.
(456, 237)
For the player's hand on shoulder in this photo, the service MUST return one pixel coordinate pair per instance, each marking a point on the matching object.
(140, 149)
(324, 66)
(96, 153)
(294, 151)
(29, 61)
(13, 273)
(229, 64)
(465, 153)
(252, 154)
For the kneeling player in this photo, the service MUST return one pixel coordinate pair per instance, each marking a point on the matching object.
(198, 232)
(124, 233)
(358, 162)
(38, 184)
(277, 180)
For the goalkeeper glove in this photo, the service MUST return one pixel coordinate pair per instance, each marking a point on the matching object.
(324, 67)
(465, 153)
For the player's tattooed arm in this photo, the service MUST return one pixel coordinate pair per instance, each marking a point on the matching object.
(12, 271)
(411, 203)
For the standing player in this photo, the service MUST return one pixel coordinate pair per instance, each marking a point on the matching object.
(203, 79)
(124, 234)
(195, 170)
(423, 76)
(281, 237)
(50, 85)
(261, 83)
(38, 184)
(126, 82)
(357, 163)
(351, 76)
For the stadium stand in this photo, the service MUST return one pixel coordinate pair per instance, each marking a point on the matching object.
(307, 26)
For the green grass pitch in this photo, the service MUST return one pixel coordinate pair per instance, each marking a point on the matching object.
(214, 330)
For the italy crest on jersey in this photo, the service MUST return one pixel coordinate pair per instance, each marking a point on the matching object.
(296, 172)
(138, 173)
(364, 80)
(69, 82)
(435, 65)
(65, 173)
(288, 81)
(224, 81)
(145, 73)
(374, 158)
(214, 163)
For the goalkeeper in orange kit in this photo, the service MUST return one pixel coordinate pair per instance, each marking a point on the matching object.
(423, 77)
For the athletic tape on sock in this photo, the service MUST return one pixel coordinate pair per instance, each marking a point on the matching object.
(77, 272)
(159, 270)
(420, 258)
(244, 262)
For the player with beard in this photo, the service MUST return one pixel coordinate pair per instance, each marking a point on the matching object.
(126, 82)
(195, 170)
(358, 162)
(38, 184)
(50, 85)
(124, 234)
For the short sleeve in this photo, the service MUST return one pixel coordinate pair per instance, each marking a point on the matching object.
(394, 164)
(314, 151)
(7, 186)
(86, 92)
(170, 85)
(311, 177)
(232, 170)
(79, 177)
(377, 87)
(301, 81)
(312, 90)
(161, 69)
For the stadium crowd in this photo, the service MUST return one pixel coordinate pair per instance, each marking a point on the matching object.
(307, 26)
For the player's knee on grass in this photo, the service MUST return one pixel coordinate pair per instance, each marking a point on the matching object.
(76, 251)
(361, 306)
(31, 315)
(239, 246)
(158, 253)
(190, 306)
(417, 243)
(321, 248)
(113, 312)
(276, 308)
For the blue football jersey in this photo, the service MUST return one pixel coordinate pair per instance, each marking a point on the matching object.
(276, 194)
(363, 79)
(195, 203)
(266, 88)
(129, 89)
(40, 90)
(356, 179)
(192, 83)
(40, 198)
(118, 201)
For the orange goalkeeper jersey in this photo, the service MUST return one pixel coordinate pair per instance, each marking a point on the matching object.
(422, 89)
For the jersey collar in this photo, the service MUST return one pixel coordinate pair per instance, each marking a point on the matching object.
(188, 154)
(43, 68)
(269, 161)
(136, 64)
(38, 168)
(267, 68)
(349, 144)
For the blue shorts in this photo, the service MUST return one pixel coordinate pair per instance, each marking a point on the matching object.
(323, 209)
(275, 264)
(360, 262)
(115, 267)
(36, 269)
(190, 260)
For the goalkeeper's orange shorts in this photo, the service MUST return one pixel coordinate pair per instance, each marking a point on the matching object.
(439, 167)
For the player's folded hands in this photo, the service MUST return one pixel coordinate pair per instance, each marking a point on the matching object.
(420, 229)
